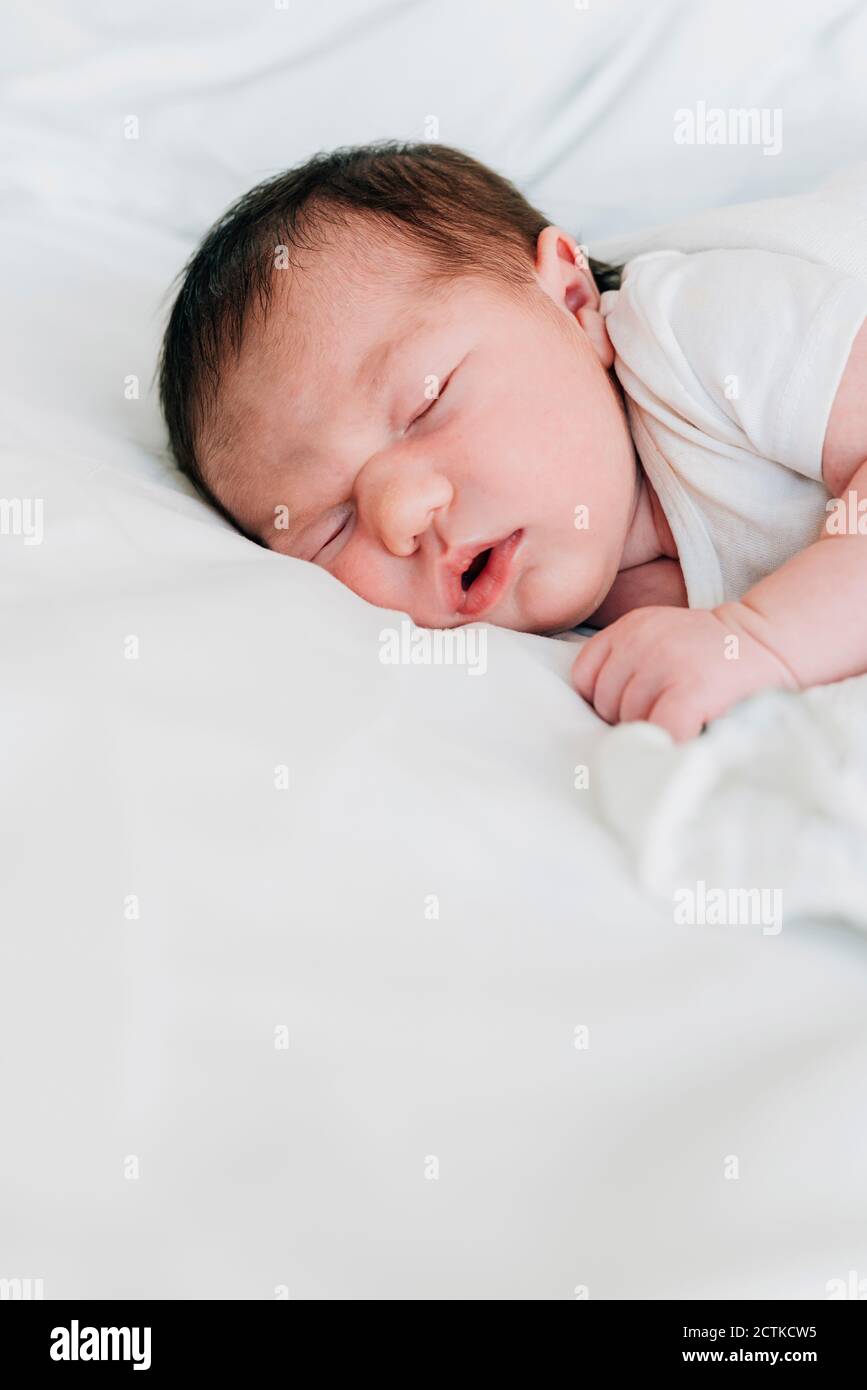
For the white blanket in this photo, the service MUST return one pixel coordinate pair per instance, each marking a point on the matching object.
(330, 978)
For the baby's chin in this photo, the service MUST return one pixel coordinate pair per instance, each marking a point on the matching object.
(552, 604)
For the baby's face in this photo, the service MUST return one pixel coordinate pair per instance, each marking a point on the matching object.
(459, 457)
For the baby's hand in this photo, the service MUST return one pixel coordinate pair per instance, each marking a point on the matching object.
(676, 667)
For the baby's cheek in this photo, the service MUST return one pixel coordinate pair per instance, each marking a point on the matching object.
(382, 579)
(358, 568)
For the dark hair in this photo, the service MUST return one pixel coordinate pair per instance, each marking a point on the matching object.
(466, 218)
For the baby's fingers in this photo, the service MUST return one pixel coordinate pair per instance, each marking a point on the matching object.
(678, 711)
(589, 663)
(618, 676)
(638, 695)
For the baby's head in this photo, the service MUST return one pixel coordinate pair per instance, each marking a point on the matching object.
(387, 362)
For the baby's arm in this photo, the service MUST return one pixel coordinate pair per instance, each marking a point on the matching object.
(813, 610)
(806, 624)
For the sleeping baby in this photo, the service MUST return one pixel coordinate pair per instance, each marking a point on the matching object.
(387, 362)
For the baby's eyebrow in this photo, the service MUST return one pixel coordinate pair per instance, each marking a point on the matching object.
(370, 377)
(372, 371)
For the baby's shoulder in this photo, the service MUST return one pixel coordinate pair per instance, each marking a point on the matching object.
(694, 305)
(673, 275)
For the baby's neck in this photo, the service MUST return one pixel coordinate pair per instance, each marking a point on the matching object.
(649, 536)
(649, 567)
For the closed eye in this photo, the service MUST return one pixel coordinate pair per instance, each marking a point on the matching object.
(429, 407)
(343, 521)
(336, 529)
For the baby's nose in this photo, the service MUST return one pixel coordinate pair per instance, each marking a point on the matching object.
(404, 506)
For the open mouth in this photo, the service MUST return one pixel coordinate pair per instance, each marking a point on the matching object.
(474, 569)
(487, 576)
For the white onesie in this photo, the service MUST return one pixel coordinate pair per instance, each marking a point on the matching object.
(730, 361)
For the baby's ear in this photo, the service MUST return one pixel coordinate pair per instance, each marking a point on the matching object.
(563, 271)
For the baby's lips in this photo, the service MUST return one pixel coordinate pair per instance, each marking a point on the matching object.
(491, 584)
(452, 566)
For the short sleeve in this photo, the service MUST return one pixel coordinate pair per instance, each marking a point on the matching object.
(746, 346)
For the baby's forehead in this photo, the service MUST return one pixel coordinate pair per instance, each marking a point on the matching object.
(300, 351)
(319, 325)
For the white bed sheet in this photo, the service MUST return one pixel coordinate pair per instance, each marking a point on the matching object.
(307, 1167)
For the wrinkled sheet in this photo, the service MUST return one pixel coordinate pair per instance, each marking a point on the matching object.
(330, 976)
